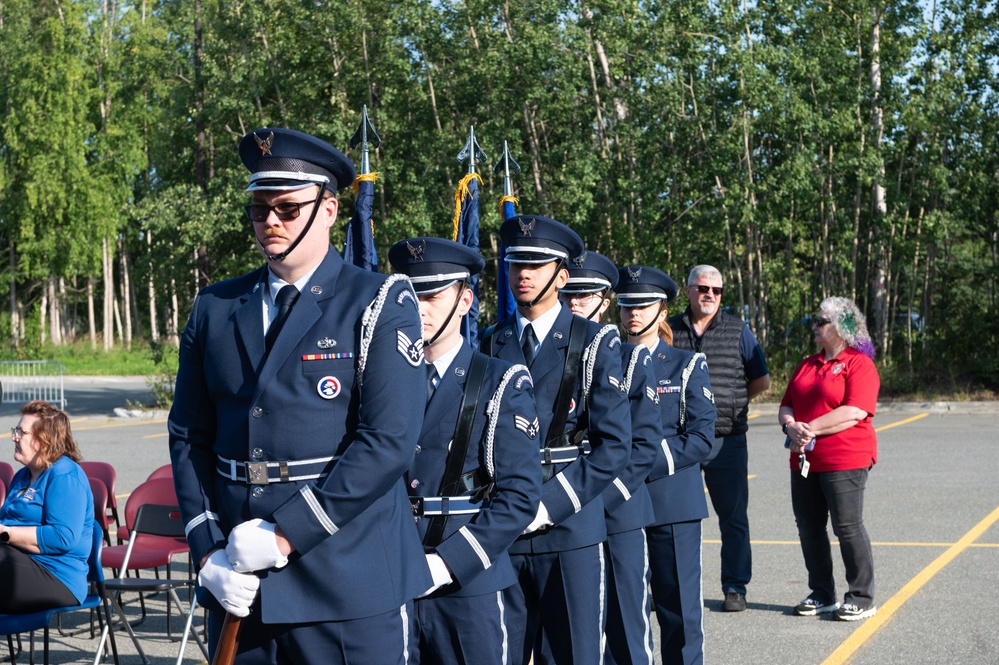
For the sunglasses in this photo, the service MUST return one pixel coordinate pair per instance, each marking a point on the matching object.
(582, 298)
(820, 321)
(701, 288)
(286, 211)
(17, 432)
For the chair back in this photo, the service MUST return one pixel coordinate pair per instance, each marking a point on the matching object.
(100, 492)
(6, 474)
(158, 490)
(165, 471)
(106, 474)
(95, 572)
(3, 493)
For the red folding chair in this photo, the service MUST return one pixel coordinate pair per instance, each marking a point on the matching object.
(105, 473)
(165, 471)
(152, 551)
(6, 474)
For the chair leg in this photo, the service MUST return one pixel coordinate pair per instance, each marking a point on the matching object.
(188, 628)
(10, 648)
(104, 619)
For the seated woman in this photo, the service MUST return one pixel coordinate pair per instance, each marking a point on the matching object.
(47, 521)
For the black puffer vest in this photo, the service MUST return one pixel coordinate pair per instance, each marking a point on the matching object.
(720, 343)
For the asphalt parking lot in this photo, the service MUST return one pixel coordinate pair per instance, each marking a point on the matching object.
(932, 508)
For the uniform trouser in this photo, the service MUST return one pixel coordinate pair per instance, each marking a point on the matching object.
(675, 560)
(27, 586)
(384, 639)
(557, 608)
(629, 629)
(837, 496)
(466, 630)
(728, 485)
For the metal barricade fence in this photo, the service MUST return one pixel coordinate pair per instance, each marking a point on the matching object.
(26, 380)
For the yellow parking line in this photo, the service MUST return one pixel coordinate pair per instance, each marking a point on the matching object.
(156, 436)
(129, 423)
(752, 415)
(870, 626)
(901, 422)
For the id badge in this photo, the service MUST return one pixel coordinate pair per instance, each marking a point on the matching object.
(804, 464)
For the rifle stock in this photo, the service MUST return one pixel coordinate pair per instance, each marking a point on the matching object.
(225, 650)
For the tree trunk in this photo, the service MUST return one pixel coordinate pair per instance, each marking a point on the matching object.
(126, 297)
(91, 315)
(154, 329)
(108, 269)
(15, 318)
(879, 290)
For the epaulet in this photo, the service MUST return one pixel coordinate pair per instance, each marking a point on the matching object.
(370, 318)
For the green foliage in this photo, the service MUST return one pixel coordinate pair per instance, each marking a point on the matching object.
(668, 132)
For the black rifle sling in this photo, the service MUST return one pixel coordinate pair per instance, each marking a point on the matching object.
(450, 485)
(573, 356)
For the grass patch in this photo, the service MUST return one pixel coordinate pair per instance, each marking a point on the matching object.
(143, 360)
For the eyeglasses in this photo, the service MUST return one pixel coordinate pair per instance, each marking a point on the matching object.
(820, 321)
(285, 211)
(582, 298)
(701, 288)
(17, 433)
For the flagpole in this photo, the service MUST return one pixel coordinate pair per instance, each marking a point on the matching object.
(466, 224)
(507, 166)
(359, 245)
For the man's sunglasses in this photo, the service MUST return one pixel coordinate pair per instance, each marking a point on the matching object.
(701, 288)
(286, 211)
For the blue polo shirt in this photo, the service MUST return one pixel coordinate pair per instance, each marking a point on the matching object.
(60, 504)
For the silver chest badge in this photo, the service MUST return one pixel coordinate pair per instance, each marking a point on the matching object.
(326, 343)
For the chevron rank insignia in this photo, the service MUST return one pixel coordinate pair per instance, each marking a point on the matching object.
(652, 395)
(411, 350)
(616, 382)
(709, 395)
(528, 427)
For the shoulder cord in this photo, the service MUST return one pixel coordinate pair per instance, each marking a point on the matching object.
(492, 412)
(590, 360)
(370, 318)
(629, 374)
(684, 378)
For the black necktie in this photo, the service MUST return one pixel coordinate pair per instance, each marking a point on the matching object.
(286, 297)
(528, 344)
(431, 375)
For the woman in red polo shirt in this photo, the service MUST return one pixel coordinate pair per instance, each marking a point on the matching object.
(826, 413)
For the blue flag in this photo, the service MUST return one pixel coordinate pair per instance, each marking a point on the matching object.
(468, 235)
(505, 304)
(359, 247)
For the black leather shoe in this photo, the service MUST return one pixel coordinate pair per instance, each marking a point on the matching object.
(734, 602)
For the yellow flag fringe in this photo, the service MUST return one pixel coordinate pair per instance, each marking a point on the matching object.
(373, 176)
(459, 198)
(504, 199)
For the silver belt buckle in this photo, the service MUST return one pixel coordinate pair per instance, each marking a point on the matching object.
(256, 473)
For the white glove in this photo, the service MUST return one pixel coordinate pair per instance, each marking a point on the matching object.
(253, 546)
(234, 591)
(541, 520)
(440, 573)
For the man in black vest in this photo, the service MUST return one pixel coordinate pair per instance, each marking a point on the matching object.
(738, 373)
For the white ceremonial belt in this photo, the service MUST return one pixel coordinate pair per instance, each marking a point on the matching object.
(266, 473)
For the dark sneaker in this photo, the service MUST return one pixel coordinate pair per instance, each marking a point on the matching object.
(734, 602)
(850, 612)
(809, 607)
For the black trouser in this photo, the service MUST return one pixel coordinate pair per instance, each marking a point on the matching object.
(27, 587)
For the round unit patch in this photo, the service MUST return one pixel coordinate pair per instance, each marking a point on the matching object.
(837, 368)
(572, 405)
(328, 387)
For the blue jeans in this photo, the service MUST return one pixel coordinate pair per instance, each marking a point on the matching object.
(728, 486)
(837, 496)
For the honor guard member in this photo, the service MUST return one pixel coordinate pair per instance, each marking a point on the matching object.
(628, 636)
(576, 367)
(297, 409)
(475, 483)
(688, 421)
